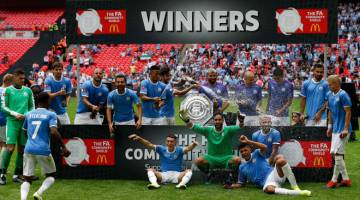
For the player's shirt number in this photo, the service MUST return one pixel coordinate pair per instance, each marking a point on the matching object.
(37, 124)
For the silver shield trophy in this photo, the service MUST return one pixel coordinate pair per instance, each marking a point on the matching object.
(199, 107)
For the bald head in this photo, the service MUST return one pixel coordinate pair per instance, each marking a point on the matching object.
(249, 78)
(97, 75)
(334, 83)
(265, 123)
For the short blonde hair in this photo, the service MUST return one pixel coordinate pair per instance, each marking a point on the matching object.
(334, 78)
(8, 78)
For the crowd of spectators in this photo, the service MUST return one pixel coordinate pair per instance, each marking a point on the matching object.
(230, 60)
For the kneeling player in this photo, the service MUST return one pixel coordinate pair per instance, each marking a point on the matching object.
(258, 171)
(171, 158)
(38, 124)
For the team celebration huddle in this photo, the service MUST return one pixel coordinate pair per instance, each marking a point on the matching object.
(32, 117)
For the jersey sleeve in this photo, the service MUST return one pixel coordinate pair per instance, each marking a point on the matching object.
(53, 120)
(47, 87)
(143, 88)
(200, 129)
(345, 100)
(159, 149)
(68, 86)
(276, 138)
(257, 154)
(303, 92)
(110, 103)
(326, 89)
(85, 90)
(103, 99)
(135, 98)
(254, 136)
(165, 93)
(180, 150)
(5, 103)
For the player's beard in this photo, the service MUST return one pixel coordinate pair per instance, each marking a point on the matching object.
(265, 129)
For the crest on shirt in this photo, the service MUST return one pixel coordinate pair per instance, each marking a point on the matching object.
(253, 160)
(320, 88)
(269, 140)
(218, 91)
(283, 89)
(337, 99)
(99, 94)
(254, 91)
(159, 89)
(127, 98)
(26, 94)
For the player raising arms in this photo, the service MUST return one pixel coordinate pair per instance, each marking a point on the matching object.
(257, 170)
(39, 124)
(220, 152)
(171, 158)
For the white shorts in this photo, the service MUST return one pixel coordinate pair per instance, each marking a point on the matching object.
(170, 177)
(84, 118)
(280, 121)
(64, 119)
(130, 122)
(274, 179)
(338, 144)
(153, 121)
(311, 122)
(47, 164)
(170, 121)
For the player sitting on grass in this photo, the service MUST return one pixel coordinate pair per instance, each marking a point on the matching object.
(257, 170)
(171, 158)
(39, 124)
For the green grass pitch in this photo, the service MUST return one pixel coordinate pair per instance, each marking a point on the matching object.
(128, 190)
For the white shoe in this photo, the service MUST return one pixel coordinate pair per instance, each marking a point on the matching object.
(153, 186)
(181, 186)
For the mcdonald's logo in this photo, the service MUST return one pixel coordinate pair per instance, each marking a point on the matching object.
(319, 161)
(114, 28)
(101, 159)
(315, 28)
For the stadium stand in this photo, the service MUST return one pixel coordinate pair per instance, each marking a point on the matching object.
(25, 19)
(14, 48)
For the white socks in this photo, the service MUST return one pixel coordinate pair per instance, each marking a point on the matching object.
(24, 190)
(289, 175)
(46, 184)
(339, 168)
(186, 178)
(152, 177)
(286, 191)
